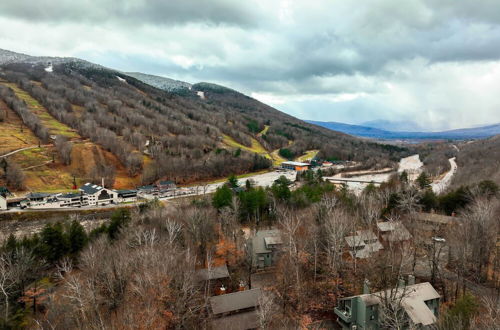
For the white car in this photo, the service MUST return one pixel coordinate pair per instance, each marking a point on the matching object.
(439, 239)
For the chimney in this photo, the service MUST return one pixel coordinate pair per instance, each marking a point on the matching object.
(401, 282)
(102, 182)
(411, 280)
(366, 287)
(242, 286)
(222, 289)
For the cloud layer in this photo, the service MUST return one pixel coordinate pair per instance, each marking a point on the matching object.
(434, 62)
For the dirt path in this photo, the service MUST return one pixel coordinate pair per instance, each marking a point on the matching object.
(18, 150)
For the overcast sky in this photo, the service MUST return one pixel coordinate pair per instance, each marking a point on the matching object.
(433, 62)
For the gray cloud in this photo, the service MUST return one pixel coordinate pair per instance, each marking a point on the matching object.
(331, 60)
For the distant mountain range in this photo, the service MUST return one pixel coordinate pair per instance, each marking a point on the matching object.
(376, 133)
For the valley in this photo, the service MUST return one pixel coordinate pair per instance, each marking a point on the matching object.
(173, 205)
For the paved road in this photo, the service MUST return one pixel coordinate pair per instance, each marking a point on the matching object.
(262, 180)
(440, 186)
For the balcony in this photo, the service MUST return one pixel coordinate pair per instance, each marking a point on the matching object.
(343, 314)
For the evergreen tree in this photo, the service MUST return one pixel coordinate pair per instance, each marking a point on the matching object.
(54, 244)
(119, 219)
(77, 237)
(233, 181)
(429, 200)
(280, 189)
(11, 243)
(423, 181)
(222, 197)
(404, 177)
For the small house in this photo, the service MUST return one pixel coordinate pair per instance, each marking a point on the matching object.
(419, 302)
(236, 310)
(98, 196)
(393, 231)
(363, 244)
(265, 246)
(212, 273)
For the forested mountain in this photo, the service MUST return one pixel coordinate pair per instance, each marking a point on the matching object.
(200, 133)
(371, 132)
(477, 161)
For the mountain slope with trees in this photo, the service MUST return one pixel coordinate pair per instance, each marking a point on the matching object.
(159, 134)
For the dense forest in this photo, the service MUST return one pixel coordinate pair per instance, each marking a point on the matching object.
(182, 134)
(478, 160)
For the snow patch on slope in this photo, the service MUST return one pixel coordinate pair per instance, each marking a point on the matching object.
(166, 84)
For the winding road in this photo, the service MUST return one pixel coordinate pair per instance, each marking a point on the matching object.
(440, 185)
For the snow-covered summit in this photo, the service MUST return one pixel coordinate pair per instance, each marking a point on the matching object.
(163, 83)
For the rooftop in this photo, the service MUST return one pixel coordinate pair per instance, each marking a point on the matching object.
(240, 321)
(90, 188)
(436, 218)
(394, 231)
(235, 301)
(69, 195)
(36, 195)
(259, 240)
(413, 301)
(295, 163)
(213, 273)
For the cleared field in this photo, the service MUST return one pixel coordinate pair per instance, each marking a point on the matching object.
(53, 125)
(310, 154)
(277, 159)
(13, 134)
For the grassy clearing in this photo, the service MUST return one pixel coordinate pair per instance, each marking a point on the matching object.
(277, 159)
(13, 134)
(310, 154)
(255, 148)
(53, 125)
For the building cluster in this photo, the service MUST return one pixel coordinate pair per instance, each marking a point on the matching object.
(90, 195)
(239, 309)
(304, 166)
(363, 243)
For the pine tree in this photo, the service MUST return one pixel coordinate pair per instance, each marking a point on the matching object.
(77, 237)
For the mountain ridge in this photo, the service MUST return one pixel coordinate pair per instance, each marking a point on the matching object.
(371, 132)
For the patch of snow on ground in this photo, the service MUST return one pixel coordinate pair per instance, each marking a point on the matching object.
(412, 165)
(121, 79)
(440, 186)
(201, 94)
(50, 68)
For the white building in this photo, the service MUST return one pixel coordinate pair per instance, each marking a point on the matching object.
(3, 203)
(73, 200)
(98, 196)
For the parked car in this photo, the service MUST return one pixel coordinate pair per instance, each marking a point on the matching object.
(439, 239)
